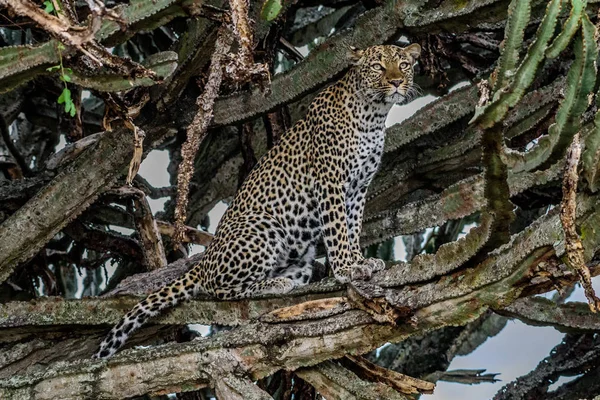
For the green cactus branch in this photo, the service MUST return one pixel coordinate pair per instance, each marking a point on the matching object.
(433, 119)
(538, 311)
(536, 242)
(135, 11)
(570, 27)
(534, 107)
(17, 59)
(518, 18)
(457, 201)
(496, 190)
(586, 86)
(449, 257)
(514, 86)
(580, 83)
(162, 64)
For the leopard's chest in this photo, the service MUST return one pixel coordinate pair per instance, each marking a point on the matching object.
(366, 157)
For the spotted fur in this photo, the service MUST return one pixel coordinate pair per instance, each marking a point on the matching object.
(309, 187)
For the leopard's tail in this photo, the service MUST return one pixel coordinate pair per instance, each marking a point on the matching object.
(169, 296)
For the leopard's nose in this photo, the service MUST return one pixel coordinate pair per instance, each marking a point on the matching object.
(397, 82)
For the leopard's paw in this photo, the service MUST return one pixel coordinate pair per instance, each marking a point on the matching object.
(363, 269)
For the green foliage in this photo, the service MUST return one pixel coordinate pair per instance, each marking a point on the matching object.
(581, 79)
(271, 9)
(49, 7)
(65, 98)
(509, 96)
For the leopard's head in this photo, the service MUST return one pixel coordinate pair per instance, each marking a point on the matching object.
(385, 73)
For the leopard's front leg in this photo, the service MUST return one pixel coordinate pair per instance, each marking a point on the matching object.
(331, 172)
(355, 206)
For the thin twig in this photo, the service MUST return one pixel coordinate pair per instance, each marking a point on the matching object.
(574, 255)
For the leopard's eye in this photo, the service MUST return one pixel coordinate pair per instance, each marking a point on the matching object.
(377, 67)
(404, 65)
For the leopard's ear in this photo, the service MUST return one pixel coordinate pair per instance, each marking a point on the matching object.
(354, 54)
(413, 50)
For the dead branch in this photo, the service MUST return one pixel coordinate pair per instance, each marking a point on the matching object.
(241, 67)
(152, 245)
(190, 235)
(14, 152)
(571, 357)
(333, 381)
(465, 376)
(198, 128)
(538, 311)
(102, 241)
(400, 382)
(574, 254)
(62, 200)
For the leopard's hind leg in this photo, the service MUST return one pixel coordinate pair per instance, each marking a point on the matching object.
(249, 249)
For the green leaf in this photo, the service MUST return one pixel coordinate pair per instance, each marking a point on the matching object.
(65, 96)
(73, 111)
(54, 68)
(68, 106)
(271, 9)
(60, 46)
(65, 78)
(49, 7)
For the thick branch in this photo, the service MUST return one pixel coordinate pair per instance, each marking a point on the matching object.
(284, 345)
(538, 311)
(63, 199)
(494, 283)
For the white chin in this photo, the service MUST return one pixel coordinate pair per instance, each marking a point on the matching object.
(395, 98)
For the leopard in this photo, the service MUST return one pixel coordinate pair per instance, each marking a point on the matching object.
(310, 188)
